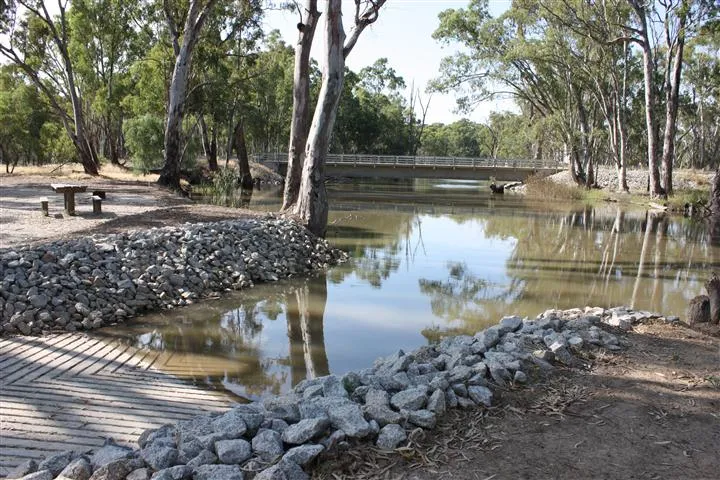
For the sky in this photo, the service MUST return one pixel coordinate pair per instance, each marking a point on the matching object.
(402, 34)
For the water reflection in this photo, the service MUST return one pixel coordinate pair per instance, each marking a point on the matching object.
(227, 348)
(427, 259)
(305, 311)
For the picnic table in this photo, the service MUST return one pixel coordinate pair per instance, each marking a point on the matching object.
(68, 192)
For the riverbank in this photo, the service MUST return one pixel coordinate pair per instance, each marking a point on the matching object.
(90, 282)
(569, 394)
(691, 186)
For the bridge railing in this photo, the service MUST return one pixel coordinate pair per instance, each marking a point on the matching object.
(412, 161)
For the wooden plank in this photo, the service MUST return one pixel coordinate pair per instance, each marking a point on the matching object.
(101, 409)
(79, 428)
(87, 351)
(153, 385)
(98, 400)
(88, 361)
(43, 361)
(79, 390)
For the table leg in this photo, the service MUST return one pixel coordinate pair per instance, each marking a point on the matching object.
(70, 203)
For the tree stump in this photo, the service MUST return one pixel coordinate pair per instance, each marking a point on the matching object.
(713, 289)
(699, 310)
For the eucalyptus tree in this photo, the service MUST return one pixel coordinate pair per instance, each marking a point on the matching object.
(300, 120)
(183, 43)
(226, 53)
(22, 116)
(311, 205)
(39, 44)
(521, 54)
(104, 43)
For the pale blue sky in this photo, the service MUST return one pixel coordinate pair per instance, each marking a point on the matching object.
(403, 34)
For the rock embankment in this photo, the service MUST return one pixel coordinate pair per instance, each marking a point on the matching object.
(276, 438)
(87, 283)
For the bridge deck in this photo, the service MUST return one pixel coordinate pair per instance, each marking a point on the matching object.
(397, 166)
(70, 391)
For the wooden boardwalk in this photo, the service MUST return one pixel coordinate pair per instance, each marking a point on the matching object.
(71, 391)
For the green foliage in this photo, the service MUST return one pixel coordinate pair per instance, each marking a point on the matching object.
(22, 115)
(56, 146)
(144, 136)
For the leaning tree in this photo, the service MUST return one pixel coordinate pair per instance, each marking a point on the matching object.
(183, 43)
(305, 194)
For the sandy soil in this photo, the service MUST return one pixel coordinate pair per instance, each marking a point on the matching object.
(126, 207)
(649, 412)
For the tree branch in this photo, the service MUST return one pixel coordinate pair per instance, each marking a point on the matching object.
(362, 20)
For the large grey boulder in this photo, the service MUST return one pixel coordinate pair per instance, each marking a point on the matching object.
(375, 396)
(410, 399)
(480, 395)
(56, 463)
(333, 387)
(349, 418)
(267, 444)
(109, 453)
(391, 436)
(422, 418)
(205, 457)
(305, 430)
(25, 468)
(303, 454)
(231, 423)
(139, 474)
(382, 414)
(117, 470)
(283, 470)
(178, 472)
(78, 469)
(233, 451)
(436, 402)
(218, 472)
(159, 457)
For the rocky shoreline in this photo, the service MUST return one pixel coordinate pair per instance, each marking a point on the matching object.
(91, 282)
(276, 438)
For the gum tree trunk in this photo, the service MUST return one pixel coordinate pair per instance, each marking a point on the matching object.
(312, 205)
(170, 173)
(650, 121)
(246, 180)
(300, 123)
(671, 109)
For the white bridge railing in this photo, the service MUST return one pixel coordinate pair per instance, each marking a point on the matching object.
(414, 161)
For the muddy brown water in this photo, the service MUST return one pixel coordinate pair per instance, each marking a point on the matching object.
(428, 259)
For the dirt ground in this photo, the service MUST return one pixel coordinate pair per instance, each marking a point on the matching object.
(126, 207)
(649, 412)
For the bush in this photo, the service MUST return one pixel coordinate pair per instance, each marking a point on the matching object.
(144, 137)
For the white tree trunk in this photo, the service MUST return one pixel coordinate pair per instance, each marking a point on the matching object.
(650, 122)
(312, 205)
(300, 123)
(170, 174)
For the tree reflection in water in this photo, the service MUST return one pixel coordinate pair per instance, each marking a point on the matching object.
(565, 260)
(222, 348)
(305, 312)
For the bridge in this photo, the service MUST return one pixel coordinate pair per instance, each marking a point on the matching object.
(400, 166)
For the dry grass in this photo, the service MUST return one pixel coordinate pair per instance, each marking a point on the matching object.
(542, 187)
(699, 178)
(74, 171)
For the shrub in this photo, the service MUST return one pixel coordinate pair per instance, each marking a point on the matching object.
(144, 137)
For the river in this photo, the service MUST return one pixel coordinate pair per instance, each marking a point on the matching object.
(428, 259)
